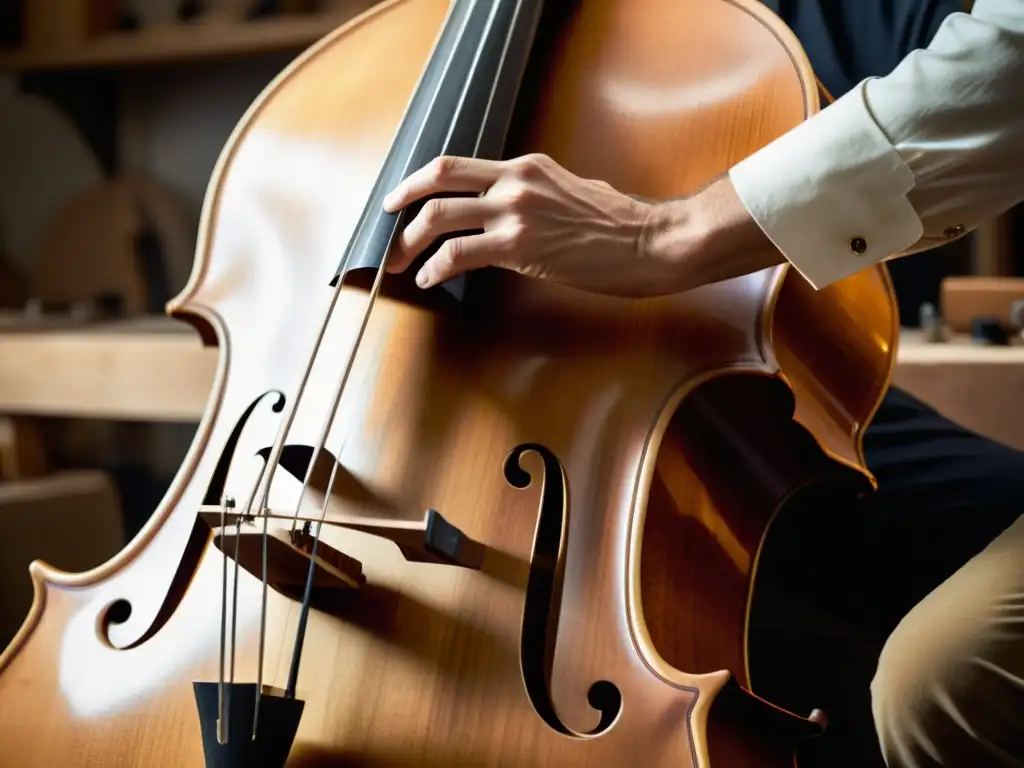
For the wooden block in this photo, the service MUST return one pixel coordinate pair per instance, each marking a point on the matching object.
(964, 298)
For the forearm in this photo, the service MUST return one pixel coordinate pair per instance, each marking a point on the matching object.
(707, 238)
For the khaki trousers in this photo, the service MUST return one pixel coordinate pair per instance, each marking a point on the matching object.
(949, 688)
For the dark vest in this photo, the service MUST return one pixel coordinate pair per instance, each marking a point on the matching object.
(848, 40)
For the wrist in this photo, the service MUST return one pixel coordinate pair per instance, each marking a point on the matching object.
(707, 237)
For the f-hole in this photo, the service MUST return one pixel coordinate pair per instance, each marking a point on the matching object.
(119, 611)
(544, 596)
(215, 490)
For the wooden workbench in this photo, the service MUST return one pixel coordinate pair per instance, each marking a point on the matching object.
(156, 369)
(150, 369)
(979, 387)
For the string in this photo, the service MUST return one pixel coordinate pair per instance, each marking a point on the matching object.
(325, 431)
(264, 481)
(300, 632)
(222, 736)
(270, 468)
(399, 220)
(234, 600)
(267, 473)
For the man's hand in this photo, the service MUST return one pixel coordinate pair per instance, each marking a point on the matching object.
(537, 218)
(534, 217)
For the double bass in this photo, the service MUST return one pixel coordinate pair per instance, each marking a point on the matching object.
(500, 522)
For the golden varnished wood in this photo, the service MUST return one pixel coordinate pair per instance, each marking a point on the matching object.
(629, 401)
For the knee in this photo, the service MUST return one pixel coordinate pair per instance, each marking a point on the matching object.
(925, 678)
(949, 686)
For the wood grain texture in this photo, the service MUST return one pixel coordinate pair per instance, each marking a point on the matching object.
(628, 401)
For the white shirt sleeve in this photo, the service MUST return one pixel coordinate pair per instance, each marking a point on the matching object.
(901, 163)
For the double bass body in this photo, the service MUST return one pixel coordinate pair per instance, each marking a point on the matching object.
(602, 458)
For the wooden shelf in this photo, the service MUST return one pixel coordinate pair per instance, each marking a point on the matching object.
(185, 42)
(156, 369)
(150, 369)
(958, 350)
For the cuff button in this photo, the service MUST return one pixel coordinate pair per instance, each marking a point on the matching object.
(858, 245)
(952, 232)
